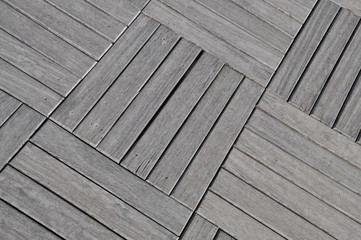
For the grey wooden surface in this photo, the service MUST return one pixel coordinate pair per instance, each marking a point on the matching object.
(8, 106)
(223, 236)
(199, 228)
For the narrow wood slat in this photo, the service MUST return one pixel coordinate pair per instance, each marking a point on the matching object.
(126, 130)
(352, 5)
(233, 220)
(63, 26)
(87, 196)
(205, 164)
(295, 8)
(16, 225)
(332, 98)
(36, 65)
(49, 209)
(43, 41)
(112, 177)
(150, 146)
(90, 90)
(199, 228)
(185, 144)
(223, 236)
(296, 199)
(303, 48)
(209, 42)
(8, 106)
(140, 4)
(324, 60)
(105, 113)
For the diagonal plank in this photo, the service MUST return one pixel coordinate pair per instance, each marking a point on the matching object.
(8, 106)
(223, 236)
(199, 228)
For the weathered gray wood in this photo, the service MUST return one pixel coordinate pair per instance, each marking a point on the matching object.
(43, 41)
(87, 196)
(232, 34)
(15, 225)
(233, 220)
(209, 42)
(8, 106)
(295, 8)
(150, 146)
(352, 5)
(261, 207)
(332, 98)
(36, 65)
(184, 146)
(199, 228)
(140, 4)
(119, 9)
(250, 23)
(92, 17)
(303, 148)
(311, 128)
(90, 90)
(16, 131)
(223, 236)
(63, 26)
(301, 174)
(112, 177)
(277, 18)
(49, 209)
(324, 60)
(139, 113)
(296, 199)
(303, 48)
(205, 164)
(27, 89)
(105, 113)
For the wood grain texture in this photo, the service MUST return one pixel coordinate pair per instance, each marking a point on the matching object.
(184, 146)
(294, 8)
(150, 146)
(352, 5)
(110, 176)
(199, 228)
(303, 48)
(87, 196)
(43, 41)
(209, 42)
(8, 106)
(205, 164)
(127, 86)
(140, 4)
(90, 90)
(223, 236)
(137, 116)
(48, 209)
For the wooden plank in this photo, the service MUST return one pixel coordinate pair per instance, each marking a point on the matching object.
(233, 220)
(48, 209)
(199, 228)
(27, 89)
(303, 48)
(63, 26)
(139, 113)
(15, 225)
(223, 236)
(324, 60)
(303, 148)
(92, 17)
(311, 128)
(209, 42)
(232, 34)
(205, 164)
(250, 23)
(140, 4)
(19, 26)
(332, 98)
(8, 106)
(185, 144)
(90, 90)
(150, 146)
(36, 65)
(112, 177)
(294, 8)
(352, 5)
(119, 9)
(114, 102)
(286, 193)
(87, 196)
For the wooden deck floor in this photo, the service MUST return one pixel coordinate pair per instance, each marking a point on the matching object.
(180, 119)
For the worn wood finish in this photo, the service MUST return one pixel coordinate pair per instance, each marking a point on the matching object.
(87, 196)
(90, 90)
(184, 146)
(8, 106)
(109, 175)
(223, 236)
(140, 4)
(210, 156)
(352, 5)
(105, 113)
(199, 228)
(298, 9)
(150, 146)
(126, 130)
